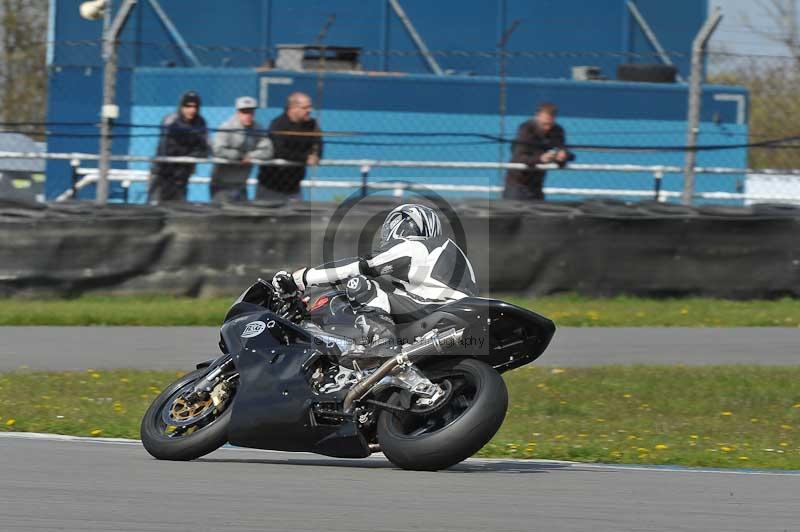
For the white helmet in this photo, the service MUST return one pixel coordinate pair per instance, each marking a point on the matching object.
(411, 221)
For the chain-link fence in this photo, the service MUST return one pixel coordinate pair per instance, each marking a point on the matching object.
(773, 113)
(616, 108)
(774, 97)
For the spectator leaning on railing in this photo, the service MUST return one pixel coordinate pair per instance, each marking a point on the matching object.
(183, 134)
(240, 139)
(539, 140)
(296, 137)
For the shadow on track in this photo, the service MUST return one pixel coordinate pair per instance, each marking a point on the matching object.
(471, 466)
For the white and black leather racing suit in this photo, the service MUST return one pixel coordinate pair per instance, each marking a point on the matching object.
(406, 279)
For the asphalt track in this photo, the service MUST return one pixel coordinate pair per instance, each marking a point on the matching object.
(77, 348)
(78, 484)
(115, 486)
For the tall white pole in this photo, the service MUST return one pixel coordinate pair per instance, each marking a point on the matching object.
(695, 90)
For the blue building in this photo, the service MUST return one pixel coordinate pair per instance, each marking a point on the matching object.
(384, 83)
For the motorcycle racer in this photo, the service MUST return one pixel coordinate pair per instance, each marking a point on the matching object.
(414, 270)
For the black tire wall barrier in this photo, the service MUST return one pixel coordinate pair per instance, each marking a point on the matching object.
(596, 248)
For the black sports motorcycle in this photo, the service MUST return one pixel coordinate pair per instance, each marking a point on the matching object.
(279, 383)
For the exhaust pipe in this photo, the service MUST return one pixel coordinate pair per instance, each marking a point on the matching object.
(432, 345)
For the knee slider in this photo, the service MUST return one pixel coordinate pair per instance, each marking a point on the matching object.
(360, 290)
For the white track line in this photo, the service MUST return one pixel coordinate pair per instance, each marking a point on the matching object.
(487, 461)
(63, 437)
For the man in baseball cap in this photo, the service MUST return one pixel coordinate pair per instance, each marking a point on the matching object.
(240, 139)
(246, 102)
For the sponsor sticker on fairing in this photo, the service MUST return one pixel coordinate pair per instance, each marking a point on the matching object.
(254, 328)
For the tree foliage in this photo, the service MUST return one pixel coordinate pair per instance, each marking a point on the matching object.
(773, 83)
(23, 69)
(774, 100)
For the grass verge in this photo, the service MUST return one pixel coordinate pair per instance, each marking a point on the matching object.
(564, 310)
(726, 416)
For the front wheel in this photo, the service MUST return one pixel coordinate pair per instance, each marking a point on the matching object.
(473, 413)
(175, 428)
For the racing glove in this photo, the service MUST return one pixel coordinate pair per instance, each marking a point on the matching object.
(284, 283)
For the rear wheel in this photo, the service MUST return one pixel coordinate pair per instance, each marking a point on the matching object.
(472, 414)
(176, 428)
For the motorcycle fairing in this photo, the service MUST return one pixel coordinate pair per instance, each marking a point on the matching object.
(503, 335)
(274, 399)
(514, 336)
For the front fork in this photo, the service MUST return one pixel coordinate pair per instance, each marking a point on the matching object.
(203, 387)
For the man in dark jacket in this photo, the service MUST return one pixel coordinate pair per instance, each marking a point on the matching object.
(183, 134)
(295, 137)
(539, 140)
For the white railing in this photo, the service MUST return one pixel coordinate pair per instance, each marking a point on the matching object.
(86, 176)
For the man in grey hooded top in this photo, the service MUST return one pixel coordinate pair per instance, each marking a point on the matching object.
(240, 139)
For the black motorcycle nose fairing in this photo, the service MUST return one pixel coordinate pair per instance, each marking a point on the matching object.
(273, 405)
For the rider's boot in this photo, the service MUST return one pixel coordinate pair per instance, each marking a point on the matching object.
(377, 342)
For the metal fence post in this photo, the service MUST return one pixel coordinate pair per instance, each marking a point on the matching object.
(364, 180)
(501, 107)
(109, 111)
(658, 175)
(695, 88)
(75, 164)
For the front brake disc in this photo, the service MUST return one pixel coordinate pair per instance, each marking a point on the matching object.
(183, 413)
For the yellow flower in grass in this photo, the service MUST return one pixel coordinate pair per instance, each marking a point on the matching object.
(11, 422)
(786, 427)
(796, 406)
(684, 311)
(743, 458)
(783, 444)
(694, 436)
(726, 449)
(661, 447)
(96, 432)
(627, 395)
(726, 413)
(557, 371)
